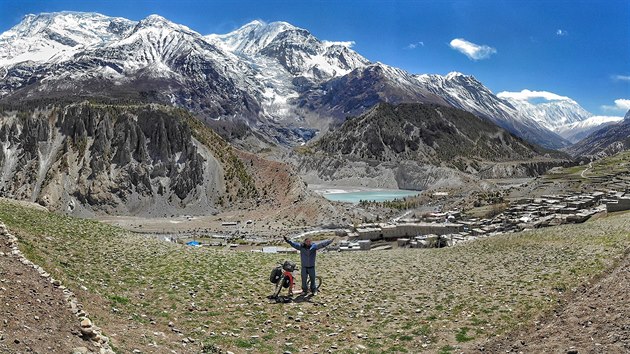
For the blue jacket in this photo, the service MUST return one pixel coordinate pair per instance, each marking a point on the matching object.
(307, 255)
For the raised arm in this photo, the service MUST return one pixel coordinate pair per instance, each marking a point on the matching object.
(323, 244)
(293, 244)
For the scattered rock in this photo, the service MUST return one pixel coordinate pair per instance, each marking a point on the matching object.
(85, 322)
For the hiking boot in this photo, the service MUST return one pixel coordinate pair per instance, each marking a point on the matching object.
(314, 293)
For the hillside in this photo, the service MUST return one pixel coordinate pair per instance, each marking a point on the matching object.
(606, 141)
(420, 145)
(156, 296)
(93, 158)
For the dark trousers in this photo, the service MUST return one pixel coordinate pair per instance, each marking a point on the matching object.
(310, 272)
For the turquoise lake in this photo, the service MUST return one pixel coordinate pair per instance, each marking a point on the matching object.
(378, 196)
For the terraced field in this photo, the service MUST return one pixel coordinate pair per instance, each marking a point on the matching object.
(154, 296)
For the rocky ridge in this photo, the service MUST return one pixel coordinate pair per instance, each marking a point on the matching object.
(148, 160)
(417, 146)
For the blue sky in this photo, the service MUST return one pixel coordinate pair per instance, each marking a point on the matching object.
(577, 48)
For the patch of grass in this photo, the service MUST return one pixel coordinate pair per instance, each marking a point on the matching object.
(244, 343)
(119, 299)
(447, 349)
(462, 335)
(424, 330)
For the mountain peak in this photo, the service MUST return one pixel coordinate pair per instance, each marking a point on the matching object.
(627, 116)
(454, 74)
(58, 35)
(158, 21)
(262, 24)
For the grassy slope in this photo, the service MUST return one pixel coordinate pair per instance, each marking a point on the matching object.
(396, 301)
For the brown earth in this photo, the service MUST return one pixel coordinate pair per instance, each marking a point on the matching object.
(594, 320)
(34, 317)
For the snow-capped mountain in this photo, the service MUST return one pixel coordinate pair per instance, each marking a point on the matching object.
(577, 131)
(467, 93)
(559, 114)
(554, 114)
(47, 38)
(153, 59)
(295, 49)
(606, 141)
(276, 78)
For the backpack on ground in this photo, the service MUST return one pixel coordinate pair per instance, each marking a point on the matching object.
(276, 273)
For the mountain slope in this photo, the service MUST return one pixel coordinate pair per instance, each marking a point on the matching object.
(421, 146)
(467, 93)
(47, 37)
(89, 158)
(429, 133)
(152, 60)
(605, 141)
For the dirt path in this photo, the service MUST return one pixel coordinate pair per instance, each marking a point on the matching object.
(590, 165)
(34, 317)
(596, 320)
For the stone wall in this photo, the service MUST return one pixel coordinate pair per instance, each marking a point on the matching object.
(89, 331)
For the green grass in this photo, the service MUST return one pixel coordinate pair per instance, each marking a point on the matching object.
(119, 299)
(447, 349)
(506, 281)
(462, 335)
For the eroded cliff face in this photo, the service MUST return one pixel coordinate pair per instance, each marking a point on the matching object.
(85, 159)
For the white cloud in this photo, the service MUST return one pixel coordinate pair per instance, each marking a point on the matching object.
(347, 44)
(472, 50)
(415, 45)
(526, 95)
(621, 78)
(620, 105)
(561, 32)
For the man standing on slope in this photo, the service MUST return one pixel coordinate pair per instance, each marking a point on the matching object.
(308, 251)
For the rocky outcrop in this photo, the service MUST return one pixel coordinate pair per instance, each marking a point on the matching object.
(84, 158)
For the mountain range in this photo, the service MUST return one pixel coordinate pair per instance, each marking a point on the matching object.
(277, 79)
(141, 143)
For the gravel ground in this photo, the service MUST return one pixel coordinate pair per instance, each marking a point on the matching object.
(594, 320)
(34, 317)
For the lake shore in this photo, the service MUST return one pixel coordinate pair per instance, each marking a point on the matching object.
(351, 194)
